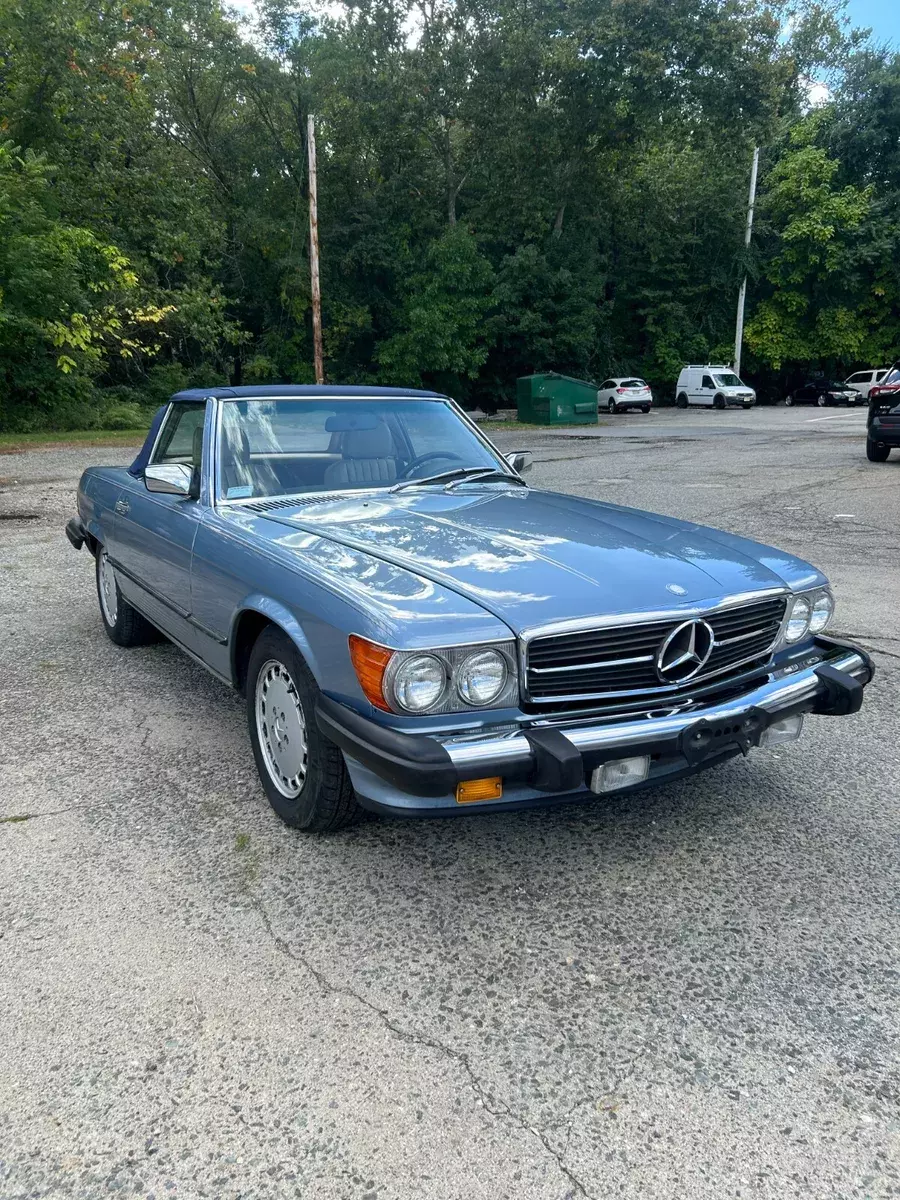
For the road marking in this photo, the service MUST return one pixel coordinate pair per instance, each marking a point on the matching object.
(836, 417)
(845, 516)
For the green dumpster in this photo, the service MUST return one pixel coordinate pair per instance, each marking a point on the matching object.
(553, 399)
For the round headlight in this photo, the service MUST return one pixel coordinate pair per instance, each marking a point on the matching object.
(482, 677)
(419, 682)
(798, 622)
(822, 612)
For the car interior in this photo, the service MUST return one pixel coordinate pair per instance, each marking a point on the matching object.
(347, 449)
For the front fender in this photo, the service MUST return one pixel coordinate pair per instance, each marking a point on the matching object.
(281, 616)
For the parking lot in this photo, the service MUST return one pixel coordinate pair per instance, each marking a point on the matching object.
(688, 992)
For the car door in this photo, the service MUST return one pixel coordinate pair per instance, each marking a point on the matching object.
(154, 533)
(861, 382)
(805, 394)
(607, 389)
(706, 391)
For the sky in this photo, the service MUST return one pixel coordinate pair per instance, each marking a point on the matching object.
(882, 16)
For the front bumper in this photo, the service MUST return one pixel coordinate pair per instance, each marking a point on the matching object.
(547, 761)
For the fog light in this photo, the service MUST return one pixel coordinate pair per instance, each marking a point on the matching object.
(621, 772)
(786, 730)
(479, 789)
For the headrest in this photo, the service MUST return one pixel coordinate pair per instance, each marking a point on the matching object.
(235, 436)
(344, 422)
(368, 443)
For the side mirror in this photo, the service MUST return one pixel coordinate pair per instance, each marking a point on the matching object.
(520, 460)
(172, 479)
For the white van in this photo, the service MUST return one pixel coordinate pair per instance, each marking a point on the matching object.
(716, 387)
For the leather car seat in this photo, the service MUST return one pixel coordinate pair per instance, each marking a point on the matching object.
(367, 456)
(236, 469)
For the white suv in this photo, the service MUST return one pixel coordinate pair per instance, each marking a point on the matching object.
(715, 387)
(861, 381)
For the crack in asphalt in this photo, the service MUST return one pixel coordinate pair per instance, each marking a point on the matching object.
(870, 642)
(497, 1108)
(19, 818)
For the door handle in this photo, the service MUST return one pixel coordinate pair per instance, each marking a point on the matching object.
(122, 507)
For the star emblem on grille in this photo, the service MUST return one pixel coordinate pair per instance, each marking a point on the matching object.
(685, 651)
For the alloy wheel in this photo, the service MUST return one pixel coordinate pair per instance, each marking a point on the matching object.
(281, 728)
(109, 591)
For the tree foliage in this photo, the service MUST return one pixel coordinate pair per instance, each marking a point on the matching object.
(503, 188)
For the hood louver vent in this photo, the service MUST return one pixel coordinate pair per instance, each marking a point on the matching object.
(264, 506)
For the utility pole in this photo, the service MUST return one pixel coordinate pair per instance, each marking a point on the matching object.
(742, 295)
(314, 249)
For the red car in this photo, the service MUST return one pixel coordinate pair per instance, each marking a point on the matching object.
(883, 422)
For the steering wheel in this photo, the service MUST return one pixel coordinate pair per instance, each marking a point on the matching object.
(446, 455)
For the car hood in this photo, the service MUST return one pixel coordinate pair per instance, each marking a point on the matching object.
(530, 557)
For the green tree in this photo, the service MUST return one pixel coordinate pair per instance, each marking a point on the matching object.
(813, 309)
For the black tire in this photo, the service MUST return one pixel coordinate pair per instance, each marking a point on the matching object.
(876, 453)
(789, 401)
(681, 401)
(124, 625)
(324, 801)
(611, 405)
(719, 403)
(645, 408)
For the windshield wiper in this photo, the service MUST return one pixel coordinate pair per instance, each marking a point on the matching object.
(473, 475)
(460, 473)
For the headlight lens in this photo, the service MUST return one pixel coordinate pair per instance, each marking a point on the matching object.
(822, 612)
(798, 621)
(449, 679)
(482, 677)
(419, 682)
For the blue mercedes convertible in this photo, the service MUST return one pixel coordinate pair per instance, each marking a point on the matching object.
(418, 631)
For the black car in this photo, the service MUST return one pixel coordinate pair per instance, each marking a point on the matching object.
(822, 392)
(883, 422)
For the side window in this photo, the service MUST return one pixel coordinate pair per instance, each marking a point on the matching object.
(607, 385)
(860, 377)
(707, 382)
(176, 442)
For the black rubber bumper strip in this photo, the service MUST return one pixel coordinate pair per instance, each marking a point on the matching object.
(843, 694)
(75, 532)
(558, 765)
(412, 762)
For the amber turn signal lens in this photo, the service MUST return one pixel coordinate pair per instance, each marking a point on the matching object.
(370, 662)
(479, 789)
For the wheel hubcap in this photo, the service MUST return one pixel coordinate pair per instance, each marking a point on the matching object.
(281, 728)
(109, 592)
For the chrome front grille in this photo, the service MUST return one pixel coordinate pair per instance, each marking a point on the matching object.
(619, 661)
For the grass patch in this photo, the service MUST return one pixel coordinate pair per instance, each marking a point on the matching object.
(14, 443)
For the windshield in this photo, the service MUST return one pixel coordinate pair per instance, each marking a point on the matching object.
(728, 379)
(632, 383)
(892, 376)
(281, 447)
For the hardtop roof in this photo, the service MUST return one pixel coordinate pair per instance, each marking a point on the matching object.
(305, 391)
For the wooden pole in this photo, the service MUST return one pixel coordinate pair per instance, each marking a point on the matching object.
(314, 249)
(742, 295)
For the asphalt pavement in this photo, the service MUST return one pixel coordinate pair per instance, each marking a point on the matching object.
(689, 993)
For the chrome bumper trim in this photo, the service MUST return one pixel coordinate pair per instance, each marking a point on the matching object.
(772, 696)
